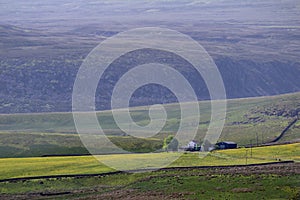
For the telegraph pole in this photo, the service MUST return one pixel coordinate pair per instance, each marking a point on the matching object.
(256, 138)
(246, 156)
(251, 148)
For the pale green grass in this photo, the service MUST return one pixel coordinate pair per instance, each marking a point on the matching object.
(43, 166)
(24, 167)
(276, 152)
(29, 135)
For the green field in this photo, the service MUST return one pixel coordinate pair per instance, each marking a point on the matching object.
(252, 120)
(24, 138)
(25, 167)
(175, 184)
(276, 181)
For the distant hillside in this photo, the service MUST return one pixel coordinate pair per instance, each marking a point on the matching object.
(255, 45)
(34, 78)
(253, 121)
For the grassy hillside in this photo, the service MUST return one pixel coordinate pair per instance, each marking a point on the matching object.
(253, 120)
(24, 167)
(255, 55)
(270, 182)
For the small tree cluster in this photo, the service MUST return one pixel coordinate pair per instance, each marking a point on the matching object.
(170, 143)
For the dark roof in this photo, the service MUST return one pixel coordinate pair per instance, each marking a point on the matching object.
(226, 142)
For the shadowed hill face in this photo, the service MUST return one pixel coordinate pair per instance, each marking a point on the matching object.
(37, 85)
(253, 43)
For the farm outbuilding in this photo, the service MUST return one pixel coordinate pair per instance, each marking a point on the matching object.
(226, 145)
(193, 146)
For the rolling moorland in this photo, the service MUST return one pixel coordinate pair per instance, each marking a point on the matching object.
(255, 45)
(221, 174)
(250, 120)
(255, 48)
